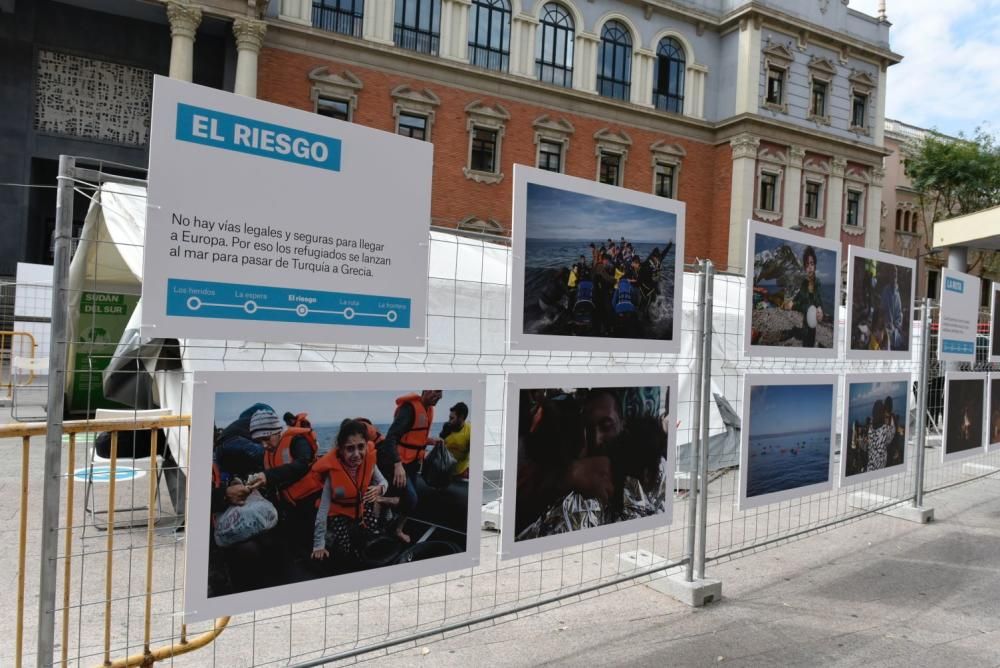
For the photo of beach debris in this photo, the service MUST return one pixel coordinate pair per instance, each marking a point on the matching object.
(794, 279)
(597, 268)
(787, 441)
(880, 304)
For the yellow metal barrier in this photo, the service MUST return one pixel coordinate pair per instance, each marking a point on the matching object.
(149, 655)
(27, 349)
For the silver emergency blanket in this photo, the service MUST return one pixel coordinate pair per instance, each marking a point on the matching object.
(577, 512)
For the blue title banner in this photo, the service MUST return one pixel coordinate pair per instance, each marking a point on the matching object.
(246, 135)
(954, 285)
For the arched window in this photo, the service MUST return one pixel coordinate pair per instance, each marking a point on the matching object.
(668, 76)
(906, 221)
(417, 25)
(554, 58)
(914, 222)
(489, 34)
(899, 219)
(343, 16)
(614, 73)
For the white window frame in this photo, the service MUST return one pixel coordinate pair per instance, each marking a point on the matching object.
(672, 155)
(485, 117)
(414, 102)
(617, 143)
(555, 131)
(329, 85)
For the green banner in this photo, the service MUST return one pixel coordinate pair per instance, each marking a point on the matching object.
(102, 320)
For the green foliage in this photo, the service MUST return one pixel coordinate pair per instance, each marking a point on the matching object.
(954, 175)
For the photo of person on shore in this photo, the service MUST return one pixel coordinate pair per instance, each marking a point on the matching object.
(874, 441)
(792, 295)
(311, 484)
(787, 438)
(586, 458)
(880, 304)
(964, 415)
(599, 264)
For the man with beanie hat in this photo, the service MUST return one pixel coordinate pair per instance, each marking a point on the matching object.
(268, 429)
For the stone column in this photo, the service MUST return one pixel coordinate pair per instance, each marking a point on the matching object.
(184, 21)
(694, 90)
(642, 77)
(792, 189)
(249, 38)
(835, 198)
(455, 30)
(523, 33)
(585, 47)
(377, 22)
(748, 67)
(742, 194)
(873, 209)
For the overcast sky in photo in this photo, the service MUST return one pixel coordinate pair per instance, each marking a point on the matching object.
(553, 213)
(949, 79)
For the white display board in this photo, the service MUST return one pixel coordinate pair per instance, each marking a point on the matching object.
(269, 223)
(587, 457)
(879, 304)
(566, 294)
(786, 449)
(443, 525)
(959, 316)
(964, 415)
(876, 426)
(792, 293)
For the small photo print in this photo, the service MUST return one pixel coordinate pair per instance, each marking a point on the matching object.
(310, 484)
(880, 304)
(596, 268)
(875, 427)
(964, 415)
(993, 428)
(787, 436)
(995, 325)
(593, 456)
(792, 287)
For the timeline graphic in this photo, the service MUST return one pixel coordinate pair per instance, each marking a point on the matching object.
(240, 301)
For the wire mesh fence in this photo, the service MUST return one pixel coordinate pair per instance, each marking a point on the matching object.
(120, 575)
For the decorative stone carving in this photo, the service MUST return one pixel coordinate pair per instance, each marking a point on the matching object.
(796, 155)
(184, 19)
(249, 34)
(744, 146)
(838, 166)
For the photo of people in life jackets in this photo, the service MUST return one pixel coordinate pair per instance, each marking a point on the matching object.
(586, 459)
(313, 484)
(597, 269)
(880, 305)
(794, 284)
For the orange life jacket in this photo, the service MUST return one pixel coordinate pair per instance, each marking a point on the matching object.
(346, 494)
(305, 486)
(302, 420)
(413, 443)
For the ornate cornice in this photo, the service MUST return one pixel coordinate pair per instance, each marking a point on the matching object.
(838, 166)
(877, 176)
(796, 154)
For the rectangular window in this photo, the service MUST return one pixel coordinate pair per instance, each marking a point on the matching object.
(484, 150)
(858, 108)
(550, 155)
(768, 191)
(333, 108)
(853, 208)
(818, 98)
(664, 183)
(775, 85)
(933, 279)
(813, 190)
(412, 125)
(610, 169)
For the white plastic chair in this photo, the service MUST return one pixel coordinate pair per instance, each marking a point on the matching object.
(123, 463)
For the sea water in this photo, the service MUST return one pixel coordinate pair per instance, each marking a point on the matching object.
(781, 462)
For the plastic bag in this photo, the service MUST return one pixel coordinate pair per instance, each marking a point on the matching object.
(437, 467)
(238, 523)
